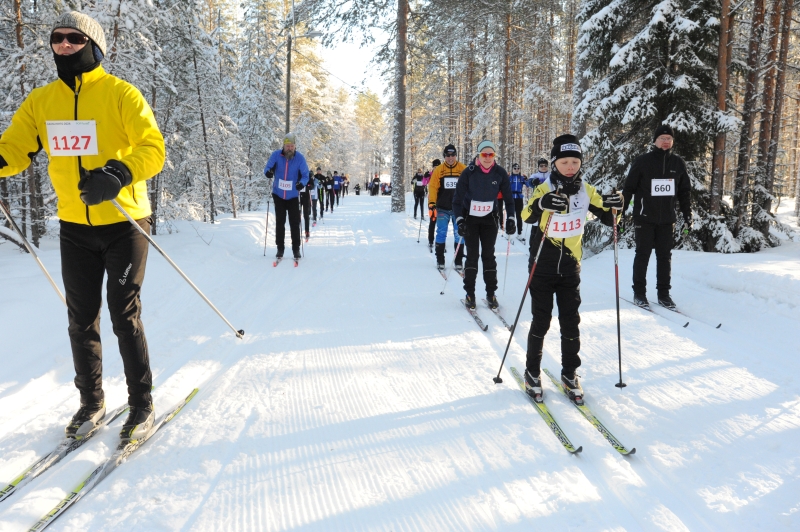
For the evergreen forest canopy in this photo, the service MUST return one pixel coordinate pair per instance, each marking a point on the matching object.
(520, 72)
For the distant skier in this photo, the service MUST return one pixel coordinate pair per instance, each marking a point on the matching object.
(542, 175)
(517, 181)
(654, 181)
(337, 187)
(115, 121)
(559, 265)
(289, 168)
(440, 197)
(305, 202)
(318, 196)
(474, 205)
(376, 185)
(418, 184)
(329, 191)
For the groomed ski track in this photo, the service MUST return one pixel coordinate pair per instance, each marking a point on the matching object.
(361, 399)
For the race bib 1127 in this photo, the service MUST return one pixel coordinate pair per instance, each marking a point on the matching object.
(69, 138)
(662, 187)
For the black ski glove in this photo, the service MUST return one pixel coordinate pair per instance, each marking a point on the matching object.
(104, 184)
(299, 185)
(270, 174)
(613, 200)
(3, 162)
(462, 226)
(553, 202)
(511, 226)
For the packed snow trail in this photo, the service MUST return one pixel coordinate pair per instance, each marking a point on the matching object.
(361, 399)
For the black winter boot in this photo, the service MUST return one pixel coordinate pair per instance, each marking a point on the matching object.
(440, 254)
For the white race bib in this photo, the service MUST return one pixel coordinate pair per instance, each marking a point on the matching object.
(72, 137)
(450, 182)
(284, 184)
(662, 187)
(328, 187)
(480, 208)
(314, 193)
(566, 225)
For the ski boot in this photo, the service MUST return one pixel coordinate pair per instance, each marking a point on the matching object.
(430, 247)
(307, 235)
(459, 267)
(139, 423)
(85, 420)
(521, 238)
(640, 300)
(296, 254)
(279, 254)
(573, 388)
(665, 301)
(492, 300)
(469, 301)
(440, 266)
(533, 387)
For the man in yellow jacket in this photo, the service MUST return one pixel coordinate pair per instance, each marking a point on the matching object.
(441, 189)
(102, 143)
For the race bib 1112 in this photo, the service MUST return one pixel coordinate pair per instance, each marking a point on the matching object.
(69, 138)
(480, 208)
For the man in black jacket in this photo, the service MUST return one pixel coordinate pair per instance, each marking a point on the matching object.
(474, 206)
(654, 182)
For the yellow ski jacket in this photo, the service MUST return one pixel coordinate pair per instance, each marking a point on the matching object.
(126, 131)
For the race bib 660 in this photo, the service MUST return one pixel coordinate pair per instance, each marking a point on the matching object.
(662, 187)
(72, 137)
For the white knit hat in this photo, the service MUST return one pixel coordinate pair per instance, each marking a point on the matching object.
(84, 24)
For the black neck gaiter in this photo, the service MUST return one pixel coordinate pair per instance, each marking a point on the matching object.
(71, 66)
(569, 185)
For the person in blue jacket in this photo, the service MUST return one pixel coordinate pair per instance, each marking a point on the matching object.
(516, 181)
(337, 186)
(289, 171)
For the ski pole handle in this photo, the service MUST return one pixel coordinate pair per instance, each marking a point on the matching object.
(240, 332)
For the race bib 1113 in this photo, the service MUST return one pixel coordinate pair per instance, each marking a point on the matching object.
(566, 225)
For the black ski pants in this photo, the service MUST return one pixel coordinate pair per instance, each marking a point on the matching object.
(330, 199)
(649, 236)
(566, 289)
(314, 208)
(431, 226)
(282, 208)
(480, 239)
(338, 193)
(518, 209)
(305, 201)
(419, 199)
(87, 254)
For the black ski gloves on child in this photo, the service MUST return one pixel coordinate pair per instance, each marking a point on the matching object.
(103, 184)
(613, 200)
(553, 202)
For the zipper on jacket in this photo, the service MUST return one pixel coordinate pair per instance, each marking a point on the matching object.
(80, 164)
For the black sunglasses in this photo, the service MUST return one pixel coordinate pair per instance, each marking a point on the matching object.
(72, 38)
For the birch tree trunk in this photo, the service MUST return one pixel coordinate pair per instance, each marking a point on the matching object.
(399, 133)
(205, 136)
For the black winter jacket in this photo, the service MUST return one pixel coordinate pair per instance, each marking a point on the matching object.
(657, 164)
(474, 184)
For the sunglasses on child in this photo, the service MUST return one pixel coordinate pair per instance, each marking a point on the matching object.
(72, 38)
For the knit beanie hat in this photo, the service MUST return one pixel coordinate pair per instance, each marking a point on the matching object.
(289, 138)
(85, 24)
(449, 150)
(436, 162)
(486, 144)
(566, 146)
(663, 129)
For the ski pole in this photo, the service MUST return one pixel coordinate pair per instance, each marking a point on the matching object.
(498, 380)
(240, 332)
(620, 384)
(505, 275)
(266, 226)
(452, 264)
(420, 226)
(28, 246)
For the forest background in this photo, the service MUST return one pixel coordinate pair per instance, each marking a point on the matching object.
(724, 74)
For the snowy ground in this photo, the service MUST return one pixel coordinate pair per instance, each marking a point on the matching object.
(361, 399)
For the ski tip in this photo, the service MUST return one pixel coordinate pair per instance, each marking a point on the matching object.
(485, 328)
(687, 324)
(578, 450)
(632, 451)
(718, 326)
